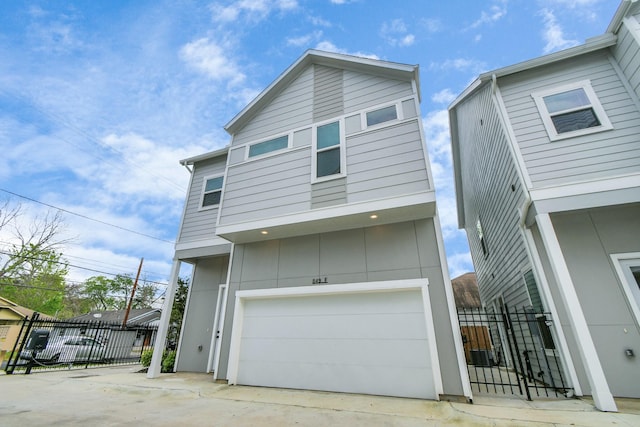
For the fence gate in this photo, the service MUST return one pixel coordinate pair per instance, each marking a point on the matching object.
(54, 344)
(512, 352)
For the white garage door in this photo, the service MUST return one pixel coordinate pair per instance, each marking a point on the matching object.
(358, 338)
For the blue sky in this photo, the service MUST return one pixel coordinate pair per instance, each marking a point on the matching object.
(99, 100)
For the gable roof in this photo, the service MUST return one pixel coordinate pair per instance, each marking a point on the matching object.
(336, 60)
(136, 316)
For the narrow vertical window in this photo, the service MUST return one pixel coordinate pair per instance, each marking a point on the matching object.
(480, 232)
(328, 156)
(212, 191)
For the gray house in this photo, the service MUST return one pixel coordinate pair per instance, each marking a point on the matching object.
(547, 170)
(315, 243)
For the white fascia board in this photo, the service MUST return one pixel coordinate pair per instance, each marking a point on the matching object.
(214, 241)
(457, 171)
(205, 156)
(347, 288)
(619, 15)
(586, 187)
(330, 213)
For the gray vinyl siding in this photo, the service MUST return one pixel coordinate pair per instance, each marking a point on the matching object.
(291, 109)
(328, 193)
(268, 187)
(200, 224)
(386, 162)
(488, 171)
(598, 155)
(390, 252)
(627, 53)
(362, 91)
(327, 93)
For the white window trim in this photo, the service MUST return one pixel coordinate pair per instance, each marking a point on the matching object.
(247, 148)
(202, 192)
(314, 151)
(399, 116)
(605, 123)
(619, 263)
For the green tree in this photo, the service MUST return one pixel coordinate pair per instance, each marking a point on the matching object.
(177, 311)
(32, 270)
(105, 293)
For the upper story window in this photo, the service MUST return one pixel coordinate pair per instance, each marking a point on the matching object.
(329, 150)
(212, 191)
(483, 243)
(268, 146)
(571, 110)
(382, 115)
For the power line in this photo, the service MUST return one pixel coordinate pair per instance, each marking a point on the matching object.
(82, 268)
(86, 217)
(61, 120)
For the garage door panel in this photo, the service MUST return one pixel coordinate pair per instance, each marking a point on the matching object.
(377, 302)
(344, 352)
(380, 380)
(384, 325)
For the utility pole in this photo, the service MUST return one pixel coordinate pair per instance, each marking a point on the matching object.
(133, 292)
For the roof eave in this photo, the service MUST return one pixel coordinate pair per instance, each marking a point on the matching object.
(619, 16)
(205, 156)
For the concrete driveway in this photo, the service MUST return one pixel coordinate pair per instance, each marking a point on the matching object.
(118, 396)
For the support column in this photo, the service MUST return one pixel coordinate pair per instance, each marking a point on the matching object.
(163, 327)
(586, 348)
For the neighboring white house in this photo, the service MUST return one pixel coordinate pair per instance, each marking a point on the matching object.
(315, 243)
(547, 173)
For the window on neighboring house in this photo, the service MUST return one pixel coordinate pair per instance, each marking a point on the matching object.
(212, 191)
(483, 243)
(268, 146)
(571, 110)
(539, 325)
(382, 115)
(328, 147)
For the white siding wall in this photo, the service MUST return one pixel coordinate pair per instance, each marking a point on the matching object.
(488, 172)
(598, 155)
(386, 162)
(268, 187)
(200, 224)
(293, 108)
(363, 90)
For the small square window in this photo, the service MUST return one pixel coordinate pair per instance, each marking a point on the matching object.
(382, 115)
(212, 191)
(571, 110)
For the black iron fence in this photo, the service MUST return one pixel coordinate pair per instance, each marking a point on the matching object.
(55, 344)
(512, 352)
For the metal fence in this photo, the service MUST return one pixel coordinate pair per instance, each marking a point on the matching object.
(512, 352)
(55, 344)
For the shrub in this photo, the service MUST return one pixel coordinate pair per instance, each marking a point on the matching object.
(145, 357)
(168, 360)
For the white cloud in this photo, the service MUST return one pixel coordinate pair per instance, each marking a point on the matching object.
(553, 34)
(396, 34)
(496, 12)
(459, 264)
(304, 40)
(459, 64)
(250, 10)
(330, 47)
(432, 25)
(210, 57)
(445, 96)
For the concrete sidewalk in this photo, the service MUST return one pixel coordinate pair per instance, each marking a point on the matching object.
(122, 396)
